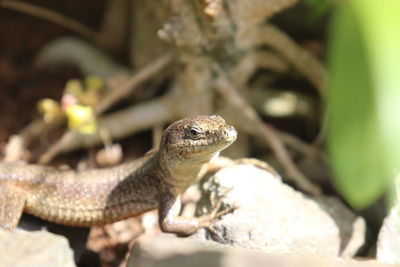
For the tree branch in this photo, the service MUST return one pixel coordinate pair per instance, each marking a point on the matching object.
(51, 16)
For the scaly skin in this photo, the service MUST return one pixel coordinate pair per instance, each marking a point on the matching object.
(100, 196)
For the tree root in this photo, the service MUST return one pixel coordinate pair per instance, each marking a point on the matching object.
(301, 59)
(255, 126)
(52, 16)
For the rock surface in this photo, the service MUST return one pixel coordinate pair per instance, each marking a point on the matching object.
(30, 249)
(76, 236)
(274, 218)
(177, 252)
(388, 247)
(352, 228)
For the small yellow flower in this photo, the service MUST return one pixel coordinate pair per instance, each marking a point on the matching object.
(73, 87)
(81, 119)
(50, 109)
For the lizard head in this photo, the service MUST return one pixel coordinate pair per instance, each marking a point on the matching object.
(190, 143)
(197, 139)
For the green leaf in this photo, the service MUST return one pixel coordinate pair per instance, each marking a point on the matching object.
(319, 7)
(363, 102)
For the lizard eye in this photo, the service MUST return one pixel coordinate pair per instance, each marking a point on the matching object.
(195, 131)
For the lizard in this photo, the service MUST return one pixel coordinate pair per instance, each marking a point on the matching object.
(105, 195)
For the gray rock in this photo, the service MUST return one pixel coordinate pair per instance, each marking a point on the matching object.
(388, 246)
(76, 236)
(179, 252)
(271, 216)
(352, 228)
(34, 249)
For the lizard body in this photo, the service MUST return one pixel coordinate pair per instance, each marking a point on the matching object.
(100, 196)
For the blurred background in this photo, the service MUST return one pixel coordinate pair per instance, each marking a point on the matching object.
(311, 85)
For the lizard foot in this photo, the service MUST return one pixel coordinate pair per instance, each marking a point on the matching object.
(209, 219)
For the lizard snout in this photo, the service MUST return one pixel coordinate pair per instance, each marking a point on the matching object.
(230, 133)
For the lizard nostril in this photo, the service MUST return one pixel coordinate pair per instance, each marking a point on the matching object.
(230, 133)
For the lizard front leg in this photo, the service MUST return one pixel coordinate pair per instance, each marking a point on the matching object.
(12, 202)
(171, 222)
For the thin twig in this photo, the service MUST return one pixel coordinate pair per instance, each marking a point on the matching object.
(257, 127)
(300, 58)
(318, 142)
(130, 85)
(119, 124)
(51, 16)
(294, 142)
(71, 140)
(33, 130)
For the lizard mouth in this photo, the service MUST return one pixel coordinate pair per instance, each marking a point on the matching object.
(226, 138)
(206, 148)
